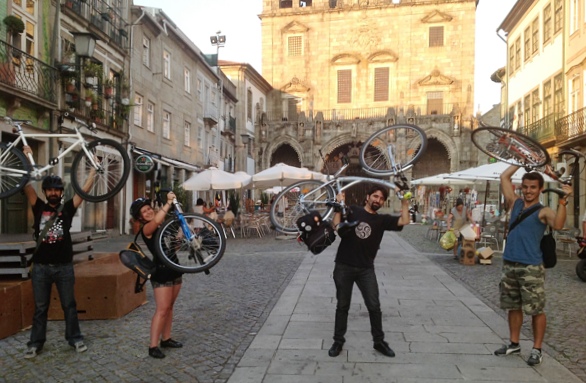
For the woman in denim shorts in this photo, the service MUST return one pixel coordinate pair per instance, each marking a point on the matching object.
(166, 282)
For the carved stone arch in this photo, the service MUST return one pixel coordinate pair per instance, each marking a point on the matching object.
(342, 139)
(383, 57)
(449, 144)
(275, 144)
(436, 17)
(435, 78)
(345, 59)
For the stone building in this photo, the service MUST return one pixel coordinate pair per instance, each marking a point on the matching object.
(343, 69)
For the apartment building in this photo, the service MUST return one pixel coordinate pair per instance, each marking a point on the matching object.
(44, 73)
(182, 112)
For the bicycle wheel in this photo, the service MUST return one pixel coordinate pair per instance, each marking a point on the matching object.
(299, 199)
(14, 170)
(392, 149)
(109, 178)
(509, 146)
(202, 252)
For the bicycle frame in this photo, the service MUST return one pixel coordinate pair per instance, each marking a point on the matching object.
(187, 232)
(36, 172)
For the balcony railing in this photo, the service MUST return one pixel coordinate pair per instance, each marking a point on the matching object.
(105, 18)
(27, 74)
(541, 130)
(357, 113)
(109, 119)
(571, 125)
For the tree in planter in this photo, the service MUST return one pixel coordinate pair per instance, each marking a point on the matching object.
(14, 25)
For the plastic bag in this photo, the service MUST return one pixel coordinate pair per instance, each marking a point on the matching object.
(448, 240)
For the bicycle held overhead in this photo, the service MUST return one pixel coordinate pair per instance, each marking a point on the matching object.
(107, 157)
(388, 152)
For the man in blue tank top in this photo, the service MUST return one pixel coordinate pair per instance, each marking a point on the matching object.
(522, 287)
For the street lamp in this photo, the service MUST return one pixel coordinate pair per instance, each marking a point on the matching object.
(218, 41)
(85, 43)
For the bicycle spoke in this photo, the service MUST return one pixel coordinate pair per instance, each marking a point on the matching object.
(13, 171)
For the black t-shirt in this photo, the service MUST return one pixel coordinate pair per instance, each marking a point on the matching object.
(358, 247)
(56, 246)
(163, 273)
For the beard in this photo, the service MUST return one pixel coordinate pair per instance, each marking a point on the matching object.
(54, 200)
(375, 206)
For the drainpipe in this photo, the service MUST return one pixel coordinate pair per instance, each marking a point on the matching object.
(507, 122)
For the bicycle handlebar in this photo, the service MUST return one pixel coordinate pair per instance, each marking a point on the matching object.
(91, 126)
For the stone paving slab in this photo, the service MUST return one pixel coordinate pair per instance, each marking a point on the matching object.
(440, 330)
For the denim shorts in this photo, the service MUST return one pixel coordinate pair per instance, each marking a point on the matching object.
(176, 281)
(522, 287)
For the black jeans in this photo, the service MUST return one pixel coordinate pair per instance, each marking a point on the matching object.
(344, 277)
(43, 277)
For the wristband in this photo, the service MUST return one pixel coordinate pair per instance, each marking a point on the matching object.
(563, 202)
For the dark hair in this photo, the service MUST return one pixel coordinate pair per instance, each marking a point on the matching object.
(199, 202)
(375, 188)
(459, 202)
(533, 176)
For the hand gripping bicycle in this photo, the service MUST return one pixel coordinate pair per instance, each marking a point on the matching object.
(107, 157)
(388, 152)
(189, 242)
(518, 149)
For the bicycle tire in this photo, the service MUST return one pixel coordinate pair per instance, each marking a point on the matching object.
(110, 179)
(375, 158)
(531, 155)
(202, 253)
(11, 182)
(299, 199)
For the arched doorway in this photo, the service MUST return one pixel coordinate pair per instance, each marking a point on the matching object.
(435, 160)
(287, 155)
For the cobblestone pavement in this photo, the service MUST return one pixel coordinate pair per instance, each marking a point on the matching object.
(566, 304)
(216, 317)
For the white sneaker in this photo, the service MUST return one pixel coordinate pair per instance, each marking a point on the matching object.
(80, 346)
(30, 353)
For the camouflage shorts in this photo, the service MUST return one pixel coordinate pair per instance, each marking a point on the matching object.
(523, 287)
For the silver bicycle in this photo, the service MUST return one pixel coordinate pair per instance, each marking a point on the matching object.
(388, 152)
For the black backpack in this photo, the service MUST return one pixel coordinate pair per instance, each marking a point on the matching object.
(316, 233)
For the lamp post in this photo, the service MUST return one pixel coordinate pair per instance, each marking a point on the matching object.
(85, 43)
(244, 158)
(218, 41)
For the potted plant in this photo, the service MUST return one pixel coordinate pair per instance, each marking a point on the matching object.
(96, 102)
(14, 25)
(90, 97)
(92, 70)
(108, 87)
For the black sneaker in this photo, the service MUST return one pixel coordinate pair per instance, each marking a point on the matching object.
(508, 350)
(383, 348)
(535, 358)
(170, 343)
(156, 353)
(335, 350)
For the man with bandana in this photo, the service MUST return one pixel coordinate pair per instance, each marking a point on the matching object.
(355, 263)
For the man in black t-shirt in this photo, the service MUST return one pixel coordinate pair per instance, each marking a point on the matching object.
(355, 264)
(53, 261)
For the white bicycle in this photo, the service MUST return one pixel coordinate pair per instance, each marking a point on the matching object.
(107, 157)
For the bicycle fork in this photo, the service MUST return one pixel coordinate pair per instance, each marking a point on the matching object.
(190, 237)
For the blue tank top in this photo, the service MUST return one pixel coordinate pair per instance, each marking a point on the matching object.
(523, 242)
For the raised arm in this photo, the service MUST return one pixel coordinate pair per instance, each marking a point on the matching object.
(507, 185)
(29, 190)
(150, 227)
(404, 219)
(77, 200)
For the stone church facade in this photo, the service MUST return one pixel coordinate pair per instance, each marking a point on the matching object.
(343, 69)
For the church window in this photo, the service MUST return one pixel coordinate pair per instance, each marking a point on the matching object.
(344, 86)
(381, 84)
(436, 36)
(295, 45)
(435, 102)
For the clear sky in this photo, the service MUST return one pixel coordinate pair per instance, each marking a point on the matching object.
(238, 20)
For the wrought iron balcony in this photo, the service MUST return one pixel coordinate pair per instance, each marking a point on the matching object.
(542, 130)
(23, 72)
(570, 126)
(102, 16)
